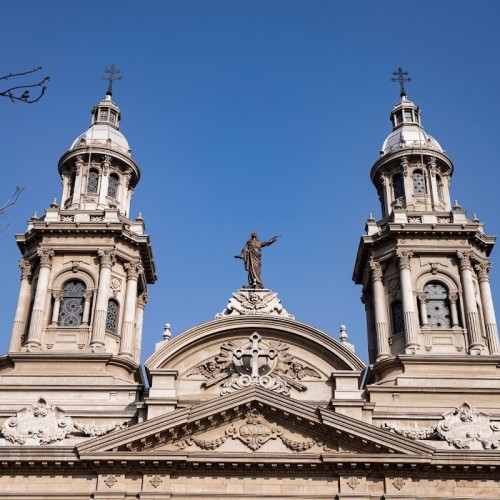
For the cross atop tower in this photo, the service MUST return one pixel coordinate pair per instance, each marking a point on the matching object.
(401, 76)
(112, 74)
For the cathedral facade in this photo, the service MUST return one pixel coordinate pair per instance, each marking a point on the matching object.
(253, 404)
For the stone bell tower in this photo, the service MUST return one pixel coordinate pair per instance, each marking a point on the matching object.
(85, 270)
(424, 270)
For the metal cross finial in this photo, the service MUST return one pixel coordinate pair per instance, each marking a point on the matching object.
(112, 74)
(401, 76)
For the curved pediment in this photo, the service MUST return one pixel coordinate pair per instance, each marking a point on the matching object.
(231, 354)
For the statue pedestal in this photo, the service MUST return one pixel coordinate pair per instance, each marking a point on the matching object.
(254, 301)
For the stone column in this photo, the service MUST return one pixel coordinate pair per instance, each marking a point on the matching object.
(366, 299)
(488, 309)
(475, 337)
(77, 191)
(433, 181)
(65, 189)
(380, 310)
(422, 301)
(38, 312)
(57, 294)
(122, 195)
(408, 182)
(139, 318)
(454, 310)
(23, 301)
(103, 191)
(86, 307)
(386, 195)
(101, 309)
(134, 269)
(409, 315)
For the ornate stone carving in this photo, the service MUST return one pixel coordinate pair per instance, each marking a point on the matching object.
(464, 426)
(398, 483)
(254, 433)
(376, 270)
(155, 481)
(96, 218)
(353, 482)
(404, 258)
(41, 423)
(253, 302)
(67, 218)
(45, 255)
(115, 285)
(25, 266)
(134, 269)
(414, 220)
(108, 257)
(270, 366)
(465, 259)
(482, 271)
(405, 164)
(444, 220)
(110, 480)
(143, 298)
(98, 430)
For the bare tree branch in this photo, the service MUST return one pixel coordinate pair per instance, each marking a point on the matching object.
(11, 201)
(22, 92)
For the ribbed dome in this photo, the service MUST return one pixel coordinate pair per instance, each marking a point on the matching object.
(409, 136)
(104, 129)
(407, 130)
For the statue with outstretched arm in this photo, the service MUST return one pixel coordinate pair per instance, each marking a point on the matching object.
(251, 256)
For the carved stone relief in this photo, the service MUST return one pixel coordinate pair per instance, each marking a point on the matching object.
(42, 423)
(463, 427)
(252, 302)
(254, 433)
(265, 364)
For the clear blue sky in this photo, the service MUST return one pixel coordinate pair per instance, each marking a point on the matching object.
(251, 116)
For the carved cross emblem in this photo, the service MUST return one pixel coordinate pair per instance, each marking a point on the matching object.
(254, 352)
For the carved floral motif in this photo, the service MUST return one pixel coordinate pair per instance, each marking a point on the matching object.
(99, 430)
(353, 482)
(376, 270)
(155, 481)
(253, 302)
(25, 266)
(398, 483)
(110, 480)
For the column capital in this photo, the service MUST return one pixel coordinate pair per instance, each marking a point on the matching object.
(405, 163)
(57, 294)
(26, 269)
(366, 299)
(404, 257)
(422, 297)
(482, 271)
(453, 297)
(45, 255)
(143, 299)
(108, 257)
(134, 269)
(376, 270)
(464, 256)
(88, 294)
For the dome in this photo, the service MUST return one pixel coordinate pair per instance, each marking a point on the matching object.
(104, 136)
(104, 129)
(407, 130)
(409, 136)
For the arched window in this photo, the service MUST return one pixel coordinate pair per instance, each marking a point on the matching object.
(398, 324)
(398, 186)
(113, 185)
(93, 182)
(438, 310)
(418, 182)
(112, 316)
(72, 302)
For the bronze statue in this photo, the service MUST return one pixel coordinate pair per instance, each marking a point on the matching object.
(251, 256)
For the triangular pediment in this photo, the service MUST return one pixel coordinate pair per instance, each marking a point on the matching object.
(253, 421)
